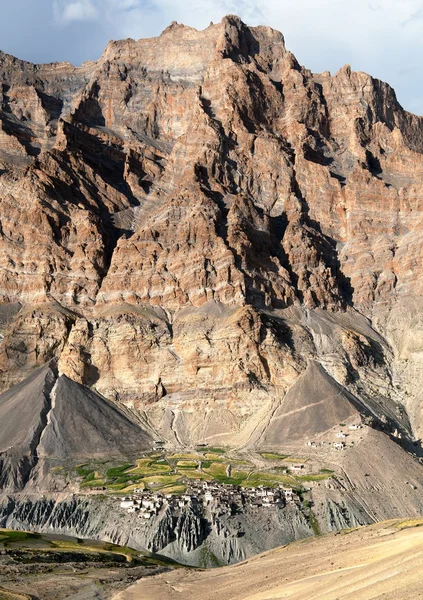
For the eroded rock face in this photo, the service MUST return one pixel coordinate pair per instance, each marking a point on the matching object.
(191, 536)
(193, 220)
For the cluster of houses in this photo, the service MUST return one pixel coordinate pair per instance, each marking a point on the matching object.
(207, 494)
(146, 505)
(340, 435)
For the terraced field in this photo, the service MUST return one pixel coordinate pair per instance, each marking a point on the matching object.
(171, 473)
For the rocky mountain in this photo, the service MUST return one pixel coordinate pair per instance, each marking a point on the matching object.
(203, 242)
(47, 418)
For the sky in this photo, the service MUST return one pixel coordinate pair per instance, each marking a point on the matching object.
(382, 37)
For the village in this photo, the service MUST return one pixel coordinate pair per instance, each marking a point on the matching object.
(217, 496)
(341, 435)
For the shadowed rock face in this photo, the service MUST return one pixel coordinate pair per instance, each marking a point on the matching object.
(213, 236)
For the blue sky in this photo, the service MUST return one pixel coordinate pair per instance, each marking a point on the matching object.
(381, 37)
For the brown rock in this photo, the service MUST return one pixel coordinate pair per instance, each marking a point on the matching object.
(191, 219)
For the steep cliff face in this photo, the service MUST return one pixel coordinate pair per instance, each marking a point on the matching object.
(211, 234)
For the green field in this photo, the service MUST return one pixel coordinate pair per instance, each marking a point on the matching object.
(159, 481)
(184, 456)
(269, 479)
(195, 474)
(145, 466)
(273, 456)
(160, 472)
(218, 472)
(187, 464)
(86, 549)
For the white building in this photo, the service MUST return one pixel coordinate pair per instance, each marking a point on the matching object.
(208, 497)
(288, 493)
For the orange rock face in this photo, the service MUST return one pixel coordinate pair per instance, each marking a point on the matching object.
(188, 221)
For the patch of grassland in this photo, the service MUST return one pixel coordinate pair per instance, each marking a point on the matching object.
(159, 481)
(236, 461)
(84, 470)
(268, 479)
(273, 456)
(328, 471)
(280, 469)
(217, 469)
(73, 549)
(187, 464)
(215, 450)
(117, 487)
(115, 472)
(145, 466)
(9, 535)
(290, 459)
(93, 483)
(130, 488)
(212, 457)
(218, 472)
(187, 456)
(409, 523)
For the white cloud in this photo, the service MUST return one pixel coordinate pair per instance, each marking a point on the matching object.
(80, 10)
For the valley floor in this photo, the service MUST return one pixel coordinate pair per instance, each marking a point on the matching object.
(369, 563)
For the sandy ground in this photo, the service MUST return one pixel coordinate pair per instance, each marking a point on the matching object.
(379, 561)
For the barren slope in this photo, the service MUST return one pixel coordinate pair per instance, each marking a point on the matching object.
(382, 561)
(50, 417)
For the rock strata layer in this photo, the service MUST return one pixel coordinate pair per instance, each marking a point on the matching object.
(213, 238)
